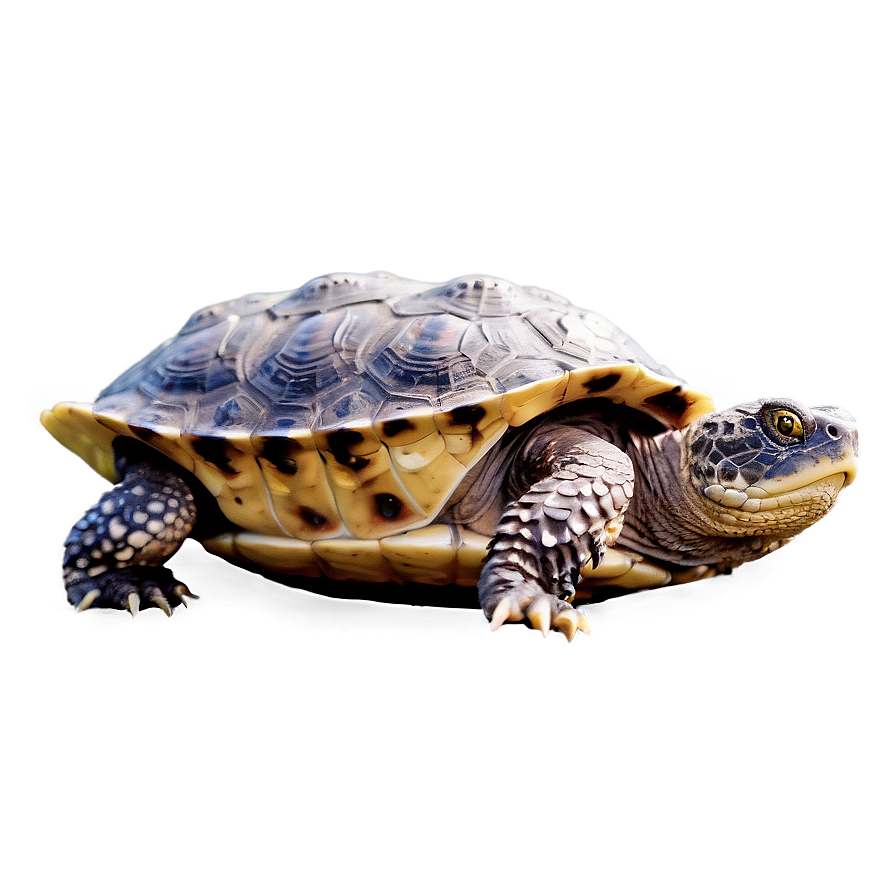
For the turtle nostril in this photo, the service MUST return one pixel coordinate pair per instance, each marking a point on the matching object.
(833, 432)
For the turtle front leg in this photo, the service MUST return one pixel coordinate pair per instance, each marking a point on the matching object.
(569, 515)
(114, 553)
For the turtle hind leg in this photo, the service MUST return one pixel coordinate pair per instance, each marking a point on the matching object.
(114, 553)
(578, 488)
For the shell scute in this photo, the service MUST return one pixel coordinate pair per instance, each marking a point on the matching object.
(424, 358)
(301, 500)
(535, 398)
(351, 403)
(295, 372)
(469, 430)
(517, 344)
(426, 555)
(193, 363)
(426, 484)
(400, 425)
(244, 307)
(470, 298)
(226, 414)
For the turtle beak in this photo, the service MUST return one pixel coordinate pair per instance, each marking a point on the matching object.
(838, 428)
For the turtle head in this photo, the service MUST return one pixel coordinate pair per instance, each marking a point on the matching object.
(770, 467)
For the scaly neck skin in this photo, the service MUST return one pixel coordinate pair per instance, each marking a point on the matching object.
(667, 519)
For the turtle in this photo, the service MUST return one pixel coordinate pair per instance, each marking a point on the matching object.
(370, 428)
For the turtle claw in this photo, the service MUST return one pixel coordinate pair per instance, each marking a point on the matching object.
(583, 622)
(539, 614)
(543, 612)
(160, 602)
(182, 591)
(132, 588)
(566, 626)
(508, 609)
(570, 621)
(88, 599)
(501, 615)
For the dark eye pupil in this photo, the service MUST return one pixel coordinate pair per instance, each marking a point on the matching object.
(785, 425)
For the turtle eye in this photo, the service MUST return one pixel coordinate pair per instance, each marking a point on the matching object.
(788, 424)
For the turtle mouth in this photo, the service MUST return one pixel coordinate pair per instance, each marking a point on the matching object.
(791, 500)
(823, 469)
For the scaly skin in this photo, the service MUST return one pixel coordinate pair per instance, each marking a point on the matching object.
(565, 518)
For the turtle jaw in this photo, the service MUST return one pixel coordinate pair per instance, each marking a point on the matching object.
(782, 515)
(751, 479)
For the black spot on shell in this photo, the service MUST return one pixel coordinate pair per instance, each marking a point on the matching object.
(671, 401)
(394, 427)
(467, 415)
(602, 383)
(214, 451)
(228, 413)
(388, 505)
(278, 451)
(312, 517)
(340, 442)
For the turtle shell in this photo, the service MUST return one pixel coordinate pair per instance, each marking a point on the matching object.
(351, 408)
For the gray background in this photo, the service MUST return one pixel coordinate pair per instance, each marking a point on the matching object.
(716, 178)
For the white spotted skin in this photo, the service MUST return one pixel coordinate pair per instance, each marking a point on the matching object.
(139, 539)
(134, 524)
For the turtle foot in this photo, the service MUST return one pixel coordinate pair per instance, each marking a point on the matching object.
(538, 609)
(132, 588)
